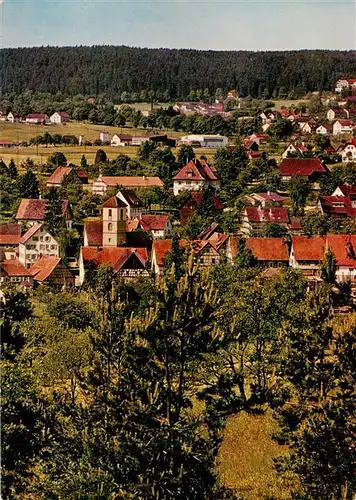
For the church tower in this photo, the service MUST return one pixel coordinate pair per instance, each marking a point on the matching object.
(114, 222)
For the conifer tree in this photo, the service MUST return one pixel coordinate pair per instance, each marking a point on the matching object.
(29, 185)
(12, 169)
(54, 219)
(328, 267)
(100, 157)
(206, 208)
(3, 168)
(84, 163)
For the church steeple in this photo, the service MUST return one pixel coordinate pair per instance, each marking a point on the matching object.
(114, 222)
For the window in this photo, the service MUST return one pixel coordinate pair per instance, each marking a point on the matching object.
(109, 226)
(109, 213)
(47, 238)
(47, 247)
(42, 247)
(53, 247)
(34, 238)
(109, 240)
(41, 238)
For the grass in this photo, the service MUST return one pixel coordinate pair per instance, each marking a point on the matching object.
(246, 458)
(287, 102)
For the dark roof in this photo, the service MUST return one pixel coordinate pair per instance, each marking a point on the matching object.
(113, 202)
(34, 209)
(301, 166)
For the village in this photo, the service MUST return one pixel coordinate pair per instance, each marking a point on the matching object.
(134, 237)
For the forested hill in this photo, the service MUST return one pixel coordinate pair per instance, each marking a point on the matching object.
(170, 73)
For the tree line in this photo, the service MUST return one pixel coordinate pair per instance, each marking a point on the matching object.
(166, 74)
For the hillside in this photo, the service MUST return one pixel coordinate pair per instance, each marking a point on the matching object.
(170, 73)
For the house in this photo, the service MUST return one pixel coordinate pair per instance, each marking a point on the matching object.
(342, 127)
(12, 271)
(31, 211)
(268, 252)
(51, 270)
(255, 220)
(324, 129)
(264, 200)
(3, 117)
(341, 203)
(10, 235)
(233, 94)
(5, 143)
(307, 254)
(158, 225)
(37, 119)
(259, 138)
(37, 241)
(294, 149)
(269, 116)
(191, 205)
(112, 183)
(127, 263)
(204, 141)
(344, 84)
(104, 137)
(13, 117)
(134, 205)
(305, 167)
(335, 114)
(59, 117)
(121, 140)
(76, 176)
(306, 128)
(195, 176)
(206, 252)
(348, 152)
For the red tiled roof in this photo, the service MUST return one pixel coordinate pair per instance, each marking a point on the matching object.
(348, 189)
(82, 174)
(63, 114)
(113, 202)
(10, 234)
(13, 267)
(265, 249)
(331, 205)
(197, 170)
(116, 256)
(131, 182)
(34, 209)
(132, 225)
(197, 196)
(153, 222)
(344, 123)
(270, 214)
(39, 116)
(33, 230)
(94, 232)
(161, 248)
(269, 196)
(44, 267)
(59, 174)
(343, 247)
(131, 198)
(308, 248)
(301, 166)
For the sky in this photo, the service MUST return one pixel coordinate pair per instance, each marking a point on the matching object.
(199, 24)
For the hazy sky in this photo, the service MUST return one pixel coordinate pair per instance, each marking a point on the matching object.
(215, 24)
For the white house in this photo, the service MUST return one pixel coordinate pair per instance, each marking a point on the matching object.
(324, 129)
(294, 149)
(307, 253)
(12, 117)
(158, 225)
(334, 114)
(104, 136)
(348, 153)
(195, 176)
(134, 206)
(345, 83)
(37, 241)
(269, 116)
(121, 140)
(342, 127)
(204, 141)
(59, 117)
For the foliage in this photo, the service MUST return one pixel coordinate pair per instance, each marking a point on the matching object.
(12, 170)
(29, 185)
(299, 190)
(54, 219)
(100, 157)
(329, 267)
(206, 208)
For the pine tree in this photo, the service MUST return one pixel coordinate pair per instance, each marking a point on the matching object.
(29, 185)
(100, 157)
(54, 219)
(244, 258)
(12, 169)
(206, 208)
(329, 267)
(175, 258)
(3, 168)
(84, 163)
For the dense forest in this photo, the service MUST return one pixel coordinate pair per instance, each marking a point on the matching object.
(171, 73)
